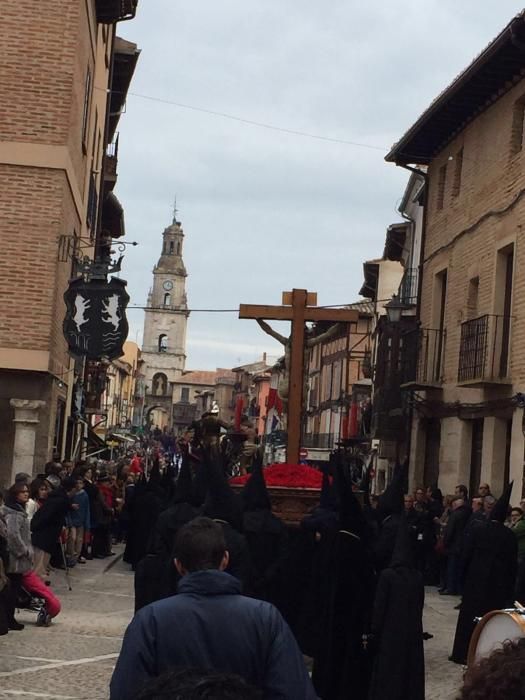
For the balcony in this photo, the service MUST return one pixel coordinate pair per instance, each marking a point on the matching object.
(423, 352)
(110, 11)
(484, 351)
(409, 287)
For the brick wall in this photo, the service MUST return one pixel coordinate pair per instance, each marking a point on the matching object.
(491, 178)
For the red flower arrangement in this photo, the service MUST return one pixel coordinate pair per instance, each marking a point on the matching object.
(288, 476)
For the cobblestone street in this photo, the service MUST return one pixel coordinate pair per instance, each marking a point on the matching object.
(74, 658)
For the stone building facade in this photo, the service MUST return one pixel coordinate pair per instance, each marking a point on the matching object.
(53, 127)
(472, 269)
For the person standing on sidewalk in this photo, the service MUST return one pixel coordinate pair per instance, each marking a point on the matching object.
(78, 522)
(19, 546)
(48, 521)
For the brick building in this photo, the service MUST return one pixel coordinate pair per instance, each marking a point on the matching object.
(55, 200)
(472, 278)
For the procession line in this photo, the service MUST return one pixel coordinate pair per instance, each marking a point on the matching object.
(60, 664)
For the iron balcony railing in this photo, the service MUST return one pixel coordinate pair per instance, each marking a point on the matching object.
(409, 286)
(422, 356)
(320, 440)
(484, 349)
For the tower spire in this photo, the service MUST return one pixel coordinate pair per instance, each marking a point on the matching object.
(175, 210)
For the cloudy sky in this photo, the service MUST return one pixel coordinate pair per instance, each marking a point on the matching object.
(263, 210)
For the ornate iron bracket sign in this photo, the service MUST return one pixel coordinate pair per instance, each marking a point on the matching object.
(95, 325)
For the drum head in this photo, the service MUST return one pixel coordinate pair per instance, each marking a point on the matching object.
(494, 629)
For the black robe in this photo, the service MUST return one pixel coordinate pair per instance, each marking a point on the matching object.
(399, 665)
(342, 665)
(490, 565)
(385, 541)
(266, 536)
(237, 546)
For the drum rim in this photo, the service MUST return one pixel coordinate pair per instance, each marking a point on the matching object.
(514, 613)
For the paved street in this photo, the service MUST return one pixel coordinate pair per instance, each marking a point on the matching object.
(74, 658)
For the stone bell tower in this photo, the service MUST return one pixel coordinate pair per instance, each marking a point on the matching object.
(165, 321)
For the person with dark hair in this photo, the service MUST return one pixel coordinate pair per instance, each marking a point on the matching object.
(499, 675)
(198, 684)
(38, 492)
(210, 625)
(16, 552)
(48, 521)
(490, 561)
(461, 491)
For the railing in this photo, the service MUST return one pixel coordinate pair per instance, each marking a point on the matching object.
(110, 164)
(320, 440)
(109, 11)
(484, 349)
(409, 286)
(422, 356)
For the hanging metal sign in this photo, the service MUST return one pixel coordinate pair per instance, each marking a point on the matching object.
(95, 325)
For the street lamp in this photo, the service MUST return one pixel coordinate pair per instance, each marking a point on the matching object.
(394, 309)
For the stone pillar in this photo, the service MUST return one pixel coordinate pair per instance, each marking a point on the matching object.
(517, 455)
(456, 441)
(493, 453)
(26, 421)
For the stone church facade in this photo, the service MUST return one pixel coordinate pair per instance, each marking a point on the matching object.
(165, 323)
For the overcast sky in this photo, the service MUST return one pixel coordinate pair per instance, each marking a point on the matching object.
(264, 211)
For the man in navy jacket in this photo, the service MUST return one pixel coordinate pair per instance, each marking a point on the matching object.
(210, 625)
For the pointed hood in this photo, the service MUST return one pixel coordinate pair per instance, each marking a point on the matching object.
(392, 499)
(184, 483)
(221, 503)
(501, 508)
(351, 517)
(255, 494)
(403, 554)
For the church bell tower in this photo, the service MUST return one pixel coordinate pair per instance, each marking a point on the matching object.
(165, 321)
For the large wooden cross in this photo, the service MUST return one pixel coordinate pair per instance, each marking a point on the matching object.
(298, 306)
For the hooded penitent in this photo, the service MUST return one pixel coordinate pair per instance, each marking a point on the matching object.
(325, 517)
(340, 660)
(224, 506)
(255, 494)
(490, 560)
(266, 536)
(389, 509)
(397, 629)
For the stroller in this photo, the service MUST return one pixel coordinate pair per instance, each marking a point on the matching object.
(34, 595)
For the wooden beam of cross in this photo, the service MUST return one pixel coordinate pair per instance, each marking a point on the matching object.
(298, 306)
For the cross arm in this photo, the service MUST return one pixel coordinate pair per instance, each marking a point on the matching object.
(270, 313)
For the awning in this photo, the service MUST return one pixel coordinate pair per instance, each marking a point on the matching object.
(113, 217)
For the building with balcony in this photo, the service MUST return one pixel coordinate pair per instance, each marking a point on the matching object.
(62, 88)
(338, 384)
(469, 147)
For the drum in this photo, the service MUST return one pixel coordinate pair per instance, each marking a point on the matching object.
(492, 630)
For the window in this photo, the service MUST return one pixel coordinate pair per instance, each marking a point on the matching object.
(167, 299)
(85, 111)
(163, 342)
(185, 394)
(442, 179)
(178, 247)
(439, 304)
(458, 167)
(516, 136)
(171, 247)
(503, 305)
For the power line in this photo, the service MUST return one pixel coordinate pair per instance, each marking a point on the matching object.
(261, 125)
